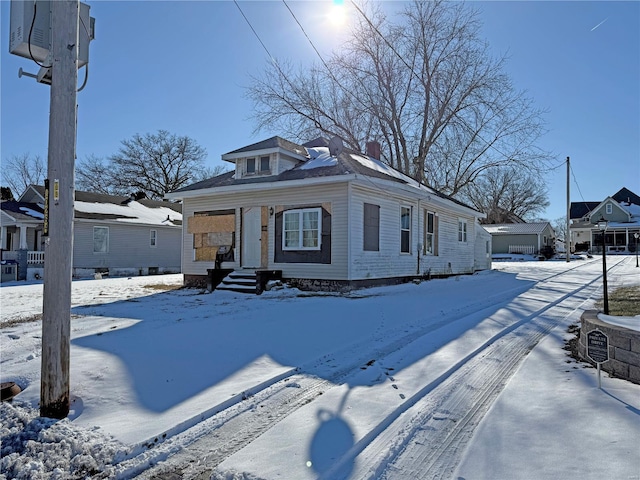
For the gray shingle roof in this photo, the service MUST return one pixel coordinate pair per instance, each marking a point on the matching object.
(273, 142)
(345, 165)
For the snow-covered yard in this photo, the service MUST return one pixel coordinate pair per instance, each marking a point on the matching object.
(296, 385)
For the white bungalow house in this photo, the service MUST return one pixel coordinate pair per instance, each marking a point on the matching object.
(324, 221)
(622, 214)
(111, 234)
(524, 238)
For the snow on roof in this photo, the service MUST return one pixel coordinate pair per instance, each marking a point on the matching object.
(632, 208)
(31, 212)
(381, 167)
(319, 157)
(515, 228)
(132, 212)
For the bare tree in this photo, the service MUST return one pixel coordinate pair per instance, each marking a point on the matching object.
(560, 227)
(20, 171)
(157, 163)
(94, 174)
(152, 163)
(507, 195)
(427, 88)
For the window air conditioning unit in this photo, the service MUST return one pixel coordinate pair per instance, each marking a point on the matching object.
(30, 30)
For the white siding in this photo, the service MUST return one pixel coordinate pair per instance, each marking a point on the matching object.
(482, 258)
(333, 194)
(129, 246)
(453, 256)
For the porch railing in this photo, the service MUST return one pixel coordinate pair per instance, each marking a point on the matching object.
(35, 257)
(523, 249)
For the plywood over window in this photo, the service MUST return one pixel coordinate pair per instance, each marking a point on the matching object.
(211, 230)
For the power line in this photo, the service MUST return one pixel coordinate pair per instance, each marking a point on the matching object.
(254, 32)
(577, 186)
(309, 39)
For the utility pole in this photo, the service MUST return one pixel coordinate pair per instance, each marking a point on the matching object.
(56, 308)
(567, 237)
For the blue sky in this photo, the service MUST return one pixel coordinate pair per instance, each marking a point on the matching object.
(183, 66)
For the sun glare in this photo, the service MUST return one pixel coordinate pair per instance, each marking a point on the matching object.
(337, 14)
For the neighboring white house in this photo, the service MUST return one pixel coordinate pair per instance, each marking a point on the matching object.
(111, 234)
(622, 214)
(324, 221)
(525, 238)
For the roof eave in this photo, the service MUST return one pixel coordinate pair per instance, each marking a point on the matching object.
(233, 156)
(250, 187)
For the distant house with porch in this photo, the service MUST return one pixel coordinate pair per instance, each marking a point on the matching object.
(324, 219)
(111, 234)
(622, 214)
(521, 238)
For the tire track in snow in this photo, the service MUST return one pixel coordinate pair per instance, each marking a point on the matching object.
(428, 439)
(219, 437)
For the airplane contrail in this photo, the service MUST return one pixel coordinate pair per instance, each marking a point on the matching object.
(599, 24)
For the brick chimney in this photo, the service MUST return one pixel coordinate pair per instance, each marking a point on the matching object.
(373, 149)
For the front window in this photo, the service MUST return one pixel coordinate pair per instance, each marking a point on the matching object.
(302, 229)
(100, 239)
(153, 238)
(405, 230)
(609, 209)
(462, 230)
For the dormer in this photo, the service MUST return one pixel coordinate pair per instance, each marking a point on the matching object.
(266, 158)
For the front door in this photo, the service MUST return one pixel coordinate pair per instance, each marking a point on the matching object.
(251, 233)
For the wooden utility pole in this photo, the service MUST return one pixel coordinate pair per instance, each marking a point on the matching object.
(567, 236)
(56, 308)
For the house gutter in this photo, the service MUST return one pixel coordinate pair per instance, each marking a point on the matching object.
(250, 187)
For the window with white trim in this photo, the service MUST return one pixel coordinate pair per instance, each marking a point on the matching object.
(405, 229)
(371, 232)
(430, 233)
(100, 239)
(251, 166)
(609, 209)
(153, 238)
(462, 230)
(301, 229)
(264, 164)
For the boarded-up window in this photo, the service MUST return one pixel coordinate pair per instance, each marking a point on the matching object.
(211, 230)
(371, 227)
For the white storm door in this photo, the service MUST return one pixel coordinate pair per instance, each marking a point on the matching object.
(251, 233)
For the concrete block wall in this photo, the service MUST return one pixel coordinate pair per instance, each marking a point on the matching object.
(624, 347)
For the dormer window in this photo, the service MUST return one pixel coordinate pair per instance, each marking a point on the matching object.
(258, 165)
(609, 209)
(264, 164)
(251, 166)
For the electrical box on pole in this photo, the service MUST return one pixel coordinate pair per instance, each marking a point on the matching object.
(30, 31)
